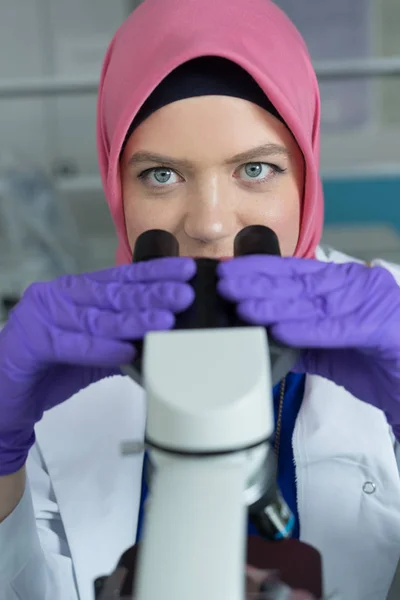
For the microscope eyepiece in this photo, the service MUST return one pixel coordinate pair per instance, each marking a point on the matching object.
(256, 239)
(155, 243)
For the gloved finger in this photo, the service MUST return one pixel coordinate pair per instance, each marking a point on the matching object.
(81, 349)
(271, 265)
(116, 296)
(64, 384)
(126, 325)
(160, 269)
(319, 361)
(341, 332)
(278, 310)
(329, 280)
(265, 312)
(258, 287)
(345, 366)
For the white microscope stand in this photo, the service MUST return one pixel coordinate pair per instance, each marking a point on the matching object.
(210, 413)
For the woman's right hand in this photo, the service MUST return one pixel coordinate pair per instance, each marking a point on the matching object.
(68, 333)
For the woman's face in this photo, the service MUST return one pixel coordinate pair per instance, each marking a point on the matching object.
(204, 168)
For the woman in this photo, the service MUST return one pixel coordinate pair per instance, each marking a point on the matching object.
(202, 155)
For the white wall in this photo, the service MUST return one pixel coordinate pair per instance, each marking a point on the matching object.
(360, 118)
(54, 38)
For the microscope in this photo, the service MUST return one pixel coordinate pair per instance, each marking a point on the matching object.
(210, 421)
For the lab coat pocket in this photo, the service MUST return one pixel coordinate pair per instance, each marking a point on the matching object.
(351, 514)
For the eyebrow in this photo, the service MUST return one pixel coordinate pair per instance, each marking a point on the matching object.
(264, 150)
(142, 157)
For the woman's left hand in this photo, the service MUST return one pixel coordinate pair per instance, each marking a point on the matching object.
(346, 317)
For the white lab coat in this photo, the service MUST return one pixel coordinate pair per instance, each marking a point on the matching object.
(86, 496)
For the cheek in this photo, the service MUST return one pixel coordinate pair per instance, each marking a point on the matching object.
(142, 212)
(139, 216)
(280, 211)
(287, 225)
(288, 234)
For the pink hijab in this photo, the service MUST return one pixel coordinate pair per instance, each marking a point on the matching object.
(257, 35)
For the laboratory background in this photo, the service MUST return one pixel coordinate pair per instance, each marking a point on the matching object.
(53, 216)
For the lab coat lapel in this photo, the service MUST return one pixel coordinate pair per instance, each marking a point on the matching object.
(97, 490)
(336, 424)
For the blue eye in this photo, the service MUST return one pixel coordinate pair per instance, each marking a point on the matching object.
(159, 176)
(256, 171)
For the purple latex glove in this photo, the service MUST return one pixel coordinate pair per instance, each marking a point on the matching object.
(346, 315)
(68, 333)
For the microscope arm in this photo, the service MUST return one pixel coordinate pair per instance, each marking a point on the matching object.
(194, 504)
(210, 414)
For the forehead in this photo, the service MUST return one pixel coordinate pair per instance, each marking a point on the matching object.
(213, 123)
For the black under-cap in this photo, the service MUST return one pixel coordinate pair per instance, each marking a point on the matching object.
(204, 76)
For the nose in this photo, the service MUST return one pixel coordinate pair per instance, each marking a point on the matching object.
(210, 217)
